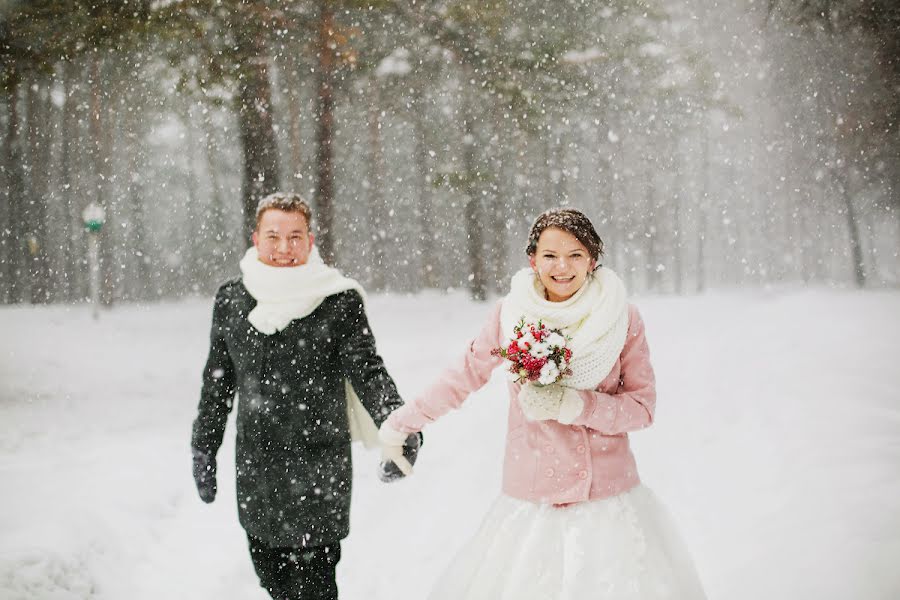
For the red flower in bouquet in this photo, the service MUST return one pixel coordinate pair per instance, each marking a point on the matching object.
(537, 354)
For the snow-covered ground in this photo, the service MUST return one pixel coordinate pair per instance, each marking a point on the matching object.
(776, 447)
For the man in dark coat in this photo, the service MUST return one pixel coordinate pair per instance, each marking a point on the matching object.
(290, 338)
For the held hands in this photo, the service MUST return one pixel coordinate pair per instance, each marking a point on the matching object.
(550, 402)
(205, 475)
(398, 452)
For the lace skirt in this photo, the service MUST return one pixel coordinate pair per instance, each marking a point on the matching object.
(620, 548)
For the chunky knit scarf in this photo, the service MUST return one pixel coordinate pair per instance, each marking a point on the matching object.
(595, 319)
(286, 293)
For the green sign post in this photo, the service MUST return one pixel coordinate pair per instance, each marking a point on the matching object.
(94, 216)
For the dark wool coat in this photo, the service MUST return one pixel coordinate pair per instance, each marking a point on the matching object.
(293, 440)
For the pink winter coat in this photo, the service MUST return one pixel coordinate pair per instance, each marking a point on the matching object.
(546, 461)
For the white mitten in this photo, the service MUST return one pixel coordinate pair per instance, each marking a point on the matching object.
(540, 402)
(571, 406)
(392, 447)
(546, 402)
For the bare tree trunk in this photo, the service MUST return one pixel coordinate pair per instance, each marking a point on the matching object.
(196, 230)
(472, 211)
(498, 209)
(15, 177)
(651, 260)
(220, 247)
(50, 240)
(794, 236)
(521, 198)
(101, 167)
(138, 249)
(74, 239)
(828, 104)
(677, 234)
(702, 207)
(260, 149)
(498, 245)
(64, 285)
(36, 214)
(295, 132)
(811, 258)
(558, 170)
(424, 205)
(5, 195)
(608, 187)
(859, 267)
(377, 209)
(325, 132)
(82, 174)
(116, 236)
(531, 147)
(549, 187)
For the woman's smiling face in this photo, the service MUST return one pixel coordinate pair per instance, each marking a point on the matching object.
(562, 263)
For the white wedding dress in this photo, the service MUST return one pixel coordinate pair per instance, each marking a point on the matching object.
(620, 548)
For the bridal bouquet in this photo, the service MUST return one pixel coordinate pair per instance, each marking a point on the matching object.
(538, 354)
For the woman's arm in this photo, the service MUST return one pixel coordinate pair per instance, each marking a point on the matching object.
(631, 407)
(470, 372)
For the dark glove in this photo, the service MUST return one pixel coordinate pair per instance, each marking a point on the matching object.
(205, 475)
(388, 471)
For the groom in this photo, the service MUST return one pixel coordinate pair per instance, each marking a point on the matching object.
(290, 338)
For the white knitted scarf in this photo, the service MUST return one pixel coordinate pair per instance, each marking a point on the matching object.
(286, 293)
(595, 319)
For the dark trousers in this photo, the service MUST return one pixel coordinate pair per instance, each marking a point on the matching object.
(296, 573)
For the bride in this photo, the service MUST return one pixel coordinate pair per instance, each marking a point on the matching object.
(573, 521)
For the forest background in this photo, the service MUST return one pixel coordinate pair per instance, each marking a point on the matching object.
(714, 144)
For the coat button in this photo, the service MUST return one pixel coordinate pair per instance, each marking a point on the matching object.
(580, 449)
(549, 472)
(549, 449)
(582, 474)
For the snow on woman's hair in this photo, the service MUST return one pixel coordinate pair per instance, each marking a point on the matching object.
(571, 221)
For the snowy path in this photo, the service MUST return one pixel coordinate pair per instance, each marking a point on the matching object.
(777, 447)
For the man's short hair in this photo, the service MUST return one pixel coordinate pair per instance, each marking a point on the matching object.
(286, 201)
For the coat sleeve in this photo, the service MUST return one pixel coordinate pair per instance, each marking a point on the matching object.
(217, 393)
(361, 363)
(632, 406)
(470, 372)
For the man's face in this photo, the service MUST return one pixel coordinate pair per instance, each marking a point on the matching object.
(283, 239)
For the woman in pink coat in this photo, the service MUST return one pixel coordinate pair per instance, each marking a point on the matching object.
(573, 521)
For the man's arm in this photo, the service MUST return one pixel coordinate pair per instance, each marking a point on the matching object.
(217, 394)
(360, 362)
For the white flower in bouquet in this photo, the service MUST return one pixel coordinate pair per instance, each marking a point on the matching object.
(549, 373)
(554, 340)
(527, 339)
(540, 350)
